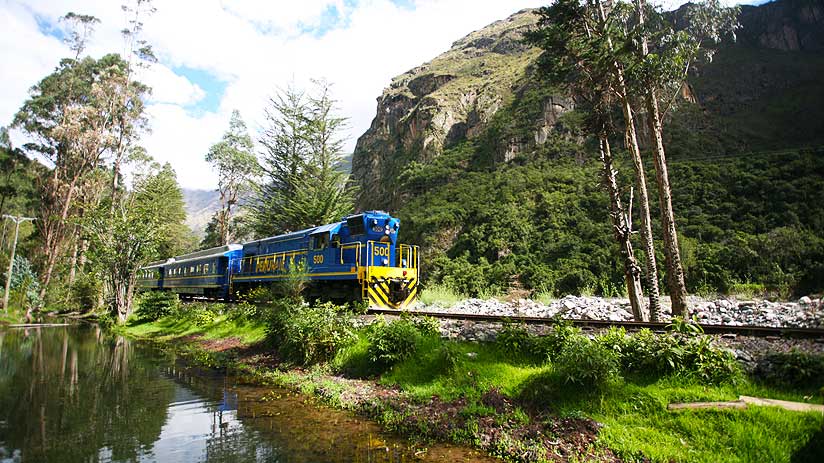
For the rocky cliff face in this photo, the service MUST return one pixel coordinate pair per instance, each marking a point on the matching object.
(455, 96)
(445, 101)
(790, 25)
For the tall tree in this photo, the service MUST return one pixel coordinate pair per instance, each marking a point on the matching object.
(235, 164)
(138, 53)
(144, 227)
(303, 183)
(572, 58)
(656, 74)
(75, 116)
(329, 196)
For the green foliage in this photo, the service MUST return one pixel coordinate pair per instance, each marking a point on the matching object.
(390, 343)
(439, 294)
(310, 334)
(25, 287)
(741, 219)
(303, 184)
(233, 159)
(143, 225)
(515, 340)
(690, 355)
(86, 291)
(586, 363)
(794, 369)
(153, 305)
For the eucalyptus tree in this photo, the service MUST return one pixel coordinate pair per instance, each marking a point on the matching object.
(236, 165)
(74, 117)
(571, 58)
(660, 74)
(585, 34)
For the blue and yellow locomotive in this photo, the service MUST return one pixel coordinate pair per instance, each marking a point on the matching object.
(358, 258)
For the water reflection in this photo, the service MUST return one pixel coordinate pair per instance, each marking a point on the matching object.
(78, 394)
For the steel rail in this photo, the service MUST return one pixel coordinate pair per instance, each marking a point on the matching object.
(744, 330)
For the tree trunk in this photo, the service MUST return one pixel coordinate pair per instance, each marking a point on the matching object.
(53, 241)
(635, 153)
(623, 230)
(672, 255)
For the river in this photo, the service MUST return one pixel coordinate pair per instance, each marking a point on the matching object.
(80, 394)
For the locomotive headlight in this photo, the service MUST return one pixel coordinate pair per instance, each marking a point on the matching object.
(386, 262)
(386, 232)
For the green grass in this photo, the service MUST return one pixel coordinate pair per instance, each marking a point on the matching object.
(438, 294)
(13, 316)
(249, 332)
(632, 410)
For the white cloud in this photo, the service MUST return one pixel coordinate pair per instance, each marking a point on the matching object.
(168, 87)
(254, 48)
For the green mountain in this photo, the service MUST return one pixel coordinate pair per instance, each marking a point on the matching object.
(487, 168)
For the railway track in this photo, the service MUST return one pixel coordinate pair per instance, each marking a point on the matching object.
(762, 331)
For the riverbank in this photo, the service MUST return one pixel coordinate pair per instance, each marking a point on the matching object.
(513, 397)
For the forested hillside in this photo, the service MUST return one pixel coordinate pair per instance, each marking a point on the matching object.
(488, 167)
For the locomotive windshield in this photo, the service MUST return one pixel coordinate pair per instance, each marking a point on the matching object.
(356, 225)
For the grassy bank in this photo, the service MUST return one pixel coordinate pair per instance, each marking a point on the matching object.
(558, 397)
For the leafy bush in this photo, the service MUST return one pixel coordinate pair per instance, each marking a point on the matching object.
(154, 305)
(516, 341)
(794, 369)
(201, 313)
(86, 290)
(310, 334)
(25, 287)
(690, 355)
(586, 363)
(428, 326)
(390, 343)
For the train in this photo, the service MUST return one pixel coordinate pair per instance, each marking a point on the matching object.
(356, 259)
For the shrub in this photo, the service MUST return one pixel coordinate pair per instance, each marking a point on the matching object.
(690, 355)
(428, 326)
(156, 304)
(794, 369)
(615, 338)
(707, 363)
(586, 363)
(310, 334)
(516, 341)
(25, 287)
(390, 343)
(86, 290)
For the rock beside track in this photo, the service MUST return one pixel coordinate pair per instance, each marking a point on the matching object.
(805, 313)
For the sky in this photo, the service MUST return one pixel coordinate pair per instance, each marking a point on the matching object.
(218, 55)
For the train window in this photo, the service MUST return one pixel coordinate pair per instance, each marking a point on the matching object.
(356, 225)
(320, 241)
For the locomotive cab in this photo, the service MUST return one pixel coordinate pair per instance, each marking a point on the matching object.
(388, 272)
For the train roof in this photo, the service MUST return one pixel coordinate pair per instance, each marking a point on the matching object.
(332, 227)
(206, 253)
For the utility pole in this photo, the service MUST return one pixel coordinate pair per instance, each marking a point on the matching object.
(17, 221)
